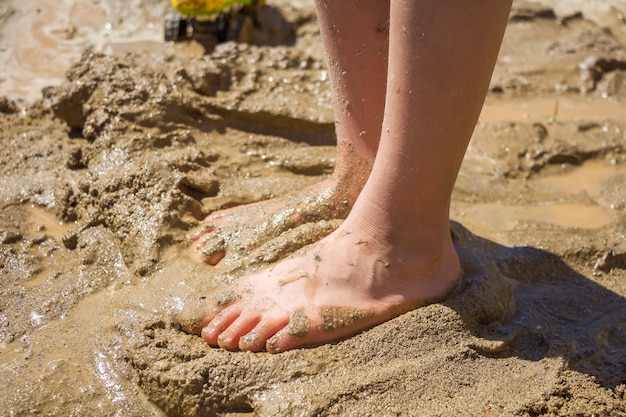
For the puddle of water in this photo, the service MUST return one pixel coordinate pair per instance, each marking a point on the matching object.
(506, 217)
(40, 40)
(45, 223)
(589, 178)
(37, 39)
(551, 108)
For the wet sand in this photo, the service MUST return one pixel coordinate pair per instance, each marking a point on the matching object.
(107, 172)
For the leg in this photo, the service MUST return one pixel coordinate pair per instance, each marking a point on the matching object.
(356, 40)
(355, 36)
(394, 252)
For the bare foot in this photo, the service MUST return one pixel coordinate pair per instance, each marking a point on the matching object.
(244, 228)
(349, 281)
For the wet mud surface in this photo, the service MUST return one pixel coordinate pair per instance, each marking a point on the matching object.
(109, 171)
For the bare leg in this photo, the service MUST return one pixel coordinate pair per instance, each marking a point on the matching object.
(394, 252)
(355, 34)
(356, 40)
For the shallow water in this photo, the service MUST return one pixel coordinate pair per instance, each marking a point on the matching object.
(587, 179)
(590, 177)
(46, 223)
(551, 109)
(40, 40)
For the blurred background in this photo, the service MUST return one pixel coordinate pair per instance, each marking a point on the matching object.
(40, 40)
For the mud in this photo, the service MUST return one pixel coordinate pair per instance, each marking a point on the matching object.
(334, 318)
(109, 170)
(299, 324)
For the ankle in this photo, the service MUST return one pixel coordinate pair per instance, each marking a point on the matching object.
(350, 178)
(428, 243)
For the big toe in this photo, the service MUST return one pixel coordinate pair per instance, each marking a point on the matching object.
(211, 251)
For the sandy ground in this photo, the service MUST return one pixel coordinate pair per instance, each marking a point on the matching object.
(107, 171)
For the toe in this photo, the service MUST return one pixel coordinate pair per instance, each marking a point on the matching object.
(229, 338)
(219, 323)
(215, 258)
(299, 331)
(321, 329)
(256, 339)
(283, 341)
(203, 231)
(210, 251)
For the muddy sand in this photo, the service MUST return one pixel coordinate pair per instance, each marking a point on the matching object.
(106, 173)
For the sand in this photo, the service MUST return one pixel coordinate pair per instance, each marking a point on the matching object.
(109, 169)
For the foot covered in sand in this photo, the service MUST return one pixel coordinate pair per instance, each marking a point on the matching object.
(349, 281)
(244, 228)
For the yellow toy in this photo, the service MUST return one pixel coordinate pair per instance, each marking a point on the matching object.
(207, 21)
(204, 7)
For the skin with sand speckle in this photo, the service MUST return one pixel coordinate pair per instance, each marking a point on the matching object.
(299, 324)
(334, 318)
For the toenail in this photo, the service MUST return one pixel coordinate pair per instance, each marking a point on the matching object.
(251, 339)
(208, 330)
(272, 345)
(224, 339)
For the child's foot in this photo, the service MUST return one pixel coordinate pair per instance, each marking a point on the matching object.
(242, 229)
(349, 281)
